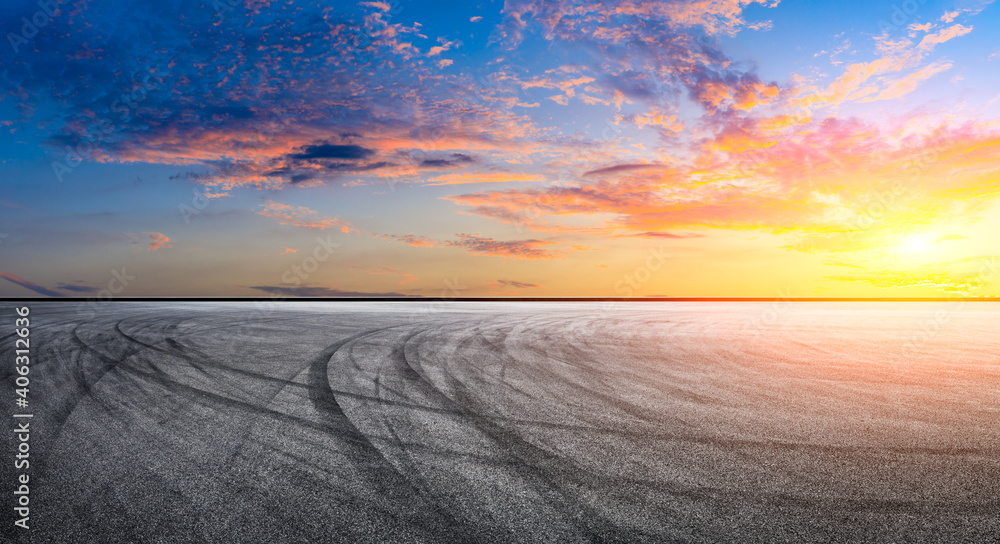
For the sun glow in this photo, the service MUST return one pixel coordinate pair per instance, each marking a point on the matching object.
(916, 244)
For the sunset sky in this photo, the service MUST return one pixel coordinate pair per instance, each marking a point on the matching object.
(714, 148)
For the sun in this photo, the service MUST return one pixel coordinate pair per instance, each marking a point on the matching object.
(916, 244)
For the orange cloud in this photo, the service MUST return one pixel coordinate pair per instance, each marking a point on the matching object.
(742, 93)
(895, 56)
(301, 217)
(907, 84)
(412, 240)
(158, 241)
(438, 49)
(485, 177)
(821, 177)
(931, 40)
(657, 119)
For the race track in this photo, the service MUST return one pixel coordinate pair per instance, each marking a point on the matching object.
(510, 422)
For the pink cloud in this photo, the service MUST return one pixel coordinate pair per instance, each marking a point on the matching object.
(815, 177)
(32, 286)
(301, 216)
(412, 240)
(158, 241)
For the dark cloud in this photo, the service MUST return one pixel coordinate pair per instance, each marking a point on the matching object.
(358, 167)
(620, 168)
(321, 291)
(455, 160)
(76, 288)
(299, 178)
(328, 151)
(516, 249)
(233, 112)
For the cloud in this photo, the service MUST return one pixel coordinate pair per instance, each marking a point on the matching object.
(817, 177)
(475, 19)
(384, 6)
(301, 216)
(732, 91)
(478, 245)
(483, 177)
(974, 9)
(289, 250)
(76, 288)
(516, 284)
(456, 159)
(220, 112)
(667, 123)
(28, 285)
(895, 55)
(560, 17)
(932, 40)
(267, 95)
(438, 49)
(624, 168)
(327, 151)
(665, 234)
(515, 249)
(963, 284)
(281, 94)
(412, 240)
(907, 84)
(319, 291)
(158, 241)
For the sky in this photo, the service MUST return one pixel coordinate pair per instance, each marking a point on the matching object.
(528, 148)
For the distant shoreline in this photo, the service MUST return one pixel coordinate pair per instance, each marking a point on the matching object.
(497, 299)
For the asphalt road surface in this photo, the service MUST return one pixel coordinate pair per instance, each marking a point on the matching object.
(509, 422)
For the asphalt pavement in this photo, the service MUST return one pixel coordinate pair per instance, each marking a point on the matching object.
(509, 422)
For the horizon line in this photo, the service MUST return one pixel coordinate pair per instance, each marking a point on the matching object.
(417, 298)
